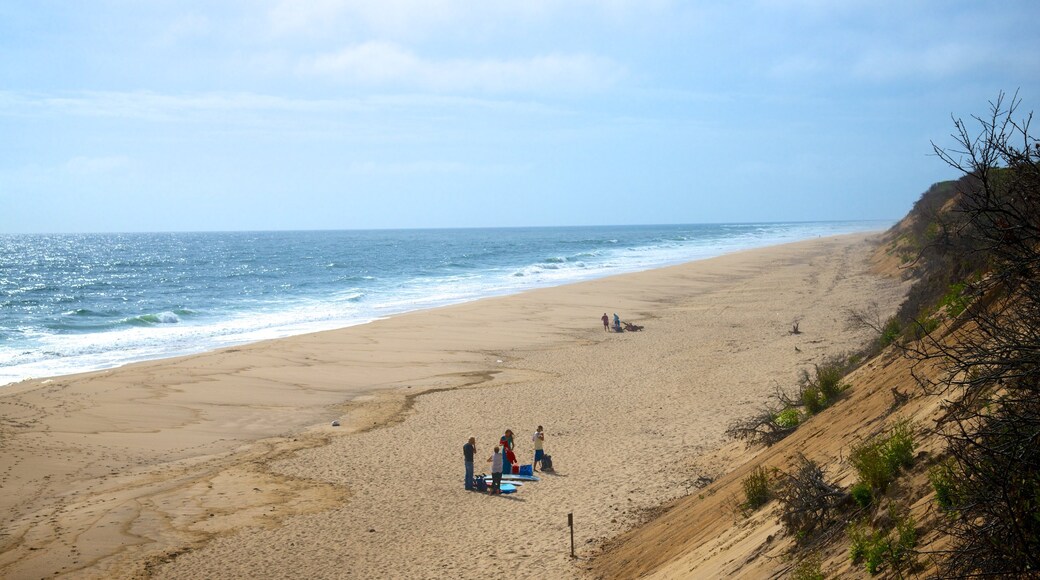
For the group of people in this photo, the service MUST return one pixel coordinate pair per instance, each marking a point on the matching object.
(617, 324)
(503, 458)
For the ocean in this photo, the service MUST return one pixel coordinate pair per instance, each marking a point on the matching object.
(78, 302)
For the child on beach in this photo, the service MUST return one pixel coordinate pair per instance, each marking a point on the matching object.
(496, 471)
(539, 447)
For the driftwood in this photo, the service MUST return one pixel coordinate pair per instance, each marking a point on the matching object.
(759, 428)
(807, 500)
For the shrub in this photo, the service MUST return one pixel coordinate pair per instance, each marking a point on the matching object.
(900, 446)
(943, 482)
(819, 389)
(890, 332)
(877, 460)
(788, 418)
(857, 542)
(829, 378)
(956, 300)
(868, 458)
(756, 488)
(811, 400)
(905, 540)
(878, 549)
(862, 494)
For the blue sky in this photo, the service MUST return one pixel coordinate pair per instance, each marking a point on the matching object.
(125, 115)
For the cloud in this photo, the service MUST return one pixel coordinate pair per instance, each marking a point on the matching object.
(381, 63)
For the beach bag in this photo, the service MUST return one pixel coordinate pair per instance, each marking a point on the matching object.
(516, 469)
(526, 470)
(547, 463)
(479, 483)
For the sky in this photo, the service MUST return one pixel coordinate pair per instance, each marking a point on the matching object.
(123, 115)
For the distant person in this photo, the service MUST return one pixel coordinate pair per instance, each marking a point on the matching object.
(468, 450)
(606, 322)
(496, 471)
(539, 446)
(617, 323)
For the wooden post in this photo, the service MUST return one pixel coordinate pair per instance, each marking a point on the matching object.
(570, 523)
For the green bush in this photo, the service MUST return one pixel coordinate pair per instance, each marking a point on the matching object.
(900, 446)
(862, 494)
(812, 400)
(788, 418)
(943, 481)
(829, 379)
(955, 301)
(868, 458)
(876, 554)
(863, 541)
(890, 332)
(756, 488)
(877, 549)
(905, 540)
(820, 388)
(877, 460)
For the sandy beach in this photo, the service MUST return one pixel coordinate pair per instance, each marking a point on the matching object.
(225, 464)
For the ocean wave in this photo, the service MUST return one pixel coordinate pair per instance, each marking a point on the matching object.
(352, 296)
(166, 317)
(82, 312)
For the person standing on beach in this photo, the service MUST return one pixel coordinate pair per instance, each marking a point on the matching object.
(468, 450)
(507, 450)
(606, 322)
(496, 471)
(617, 323)
(539, 447)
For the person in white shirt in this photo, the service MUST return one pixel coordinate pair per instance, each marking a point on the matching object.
(496, 471)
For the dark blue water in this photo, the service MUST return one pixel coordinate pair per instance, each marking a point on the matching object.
(70, 303)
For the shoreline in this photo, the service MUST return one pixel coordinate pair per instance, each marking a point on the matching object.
(114, 347)
(210, 475)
